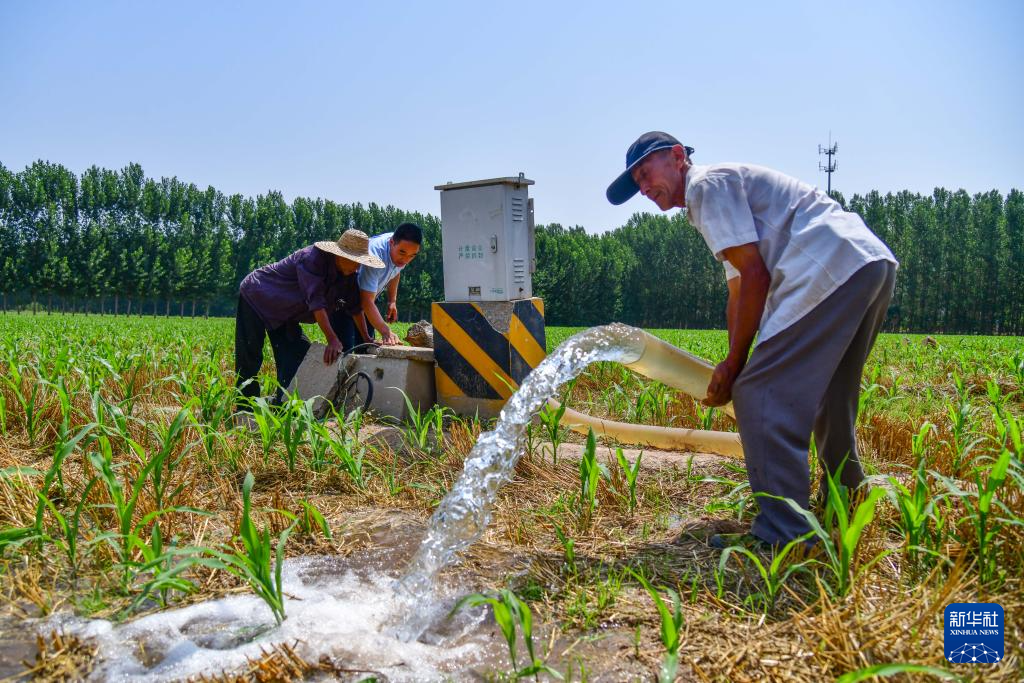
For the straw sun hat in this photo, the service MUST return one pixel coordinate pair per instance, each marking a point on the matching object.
(353, 245)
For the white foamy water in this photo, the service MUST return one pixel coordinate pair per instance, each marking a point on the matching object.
(333, 611)
(461, 518)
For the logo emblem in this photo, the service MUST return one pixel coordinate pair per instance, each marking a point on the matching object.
(974, 632)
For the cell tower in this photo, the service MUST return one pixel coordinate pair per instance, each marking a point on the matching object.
(829, 168)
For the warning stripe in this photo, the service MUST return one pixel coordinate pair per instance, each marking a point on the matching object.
(525, 343)
(445, 385)
(531, 316)
(475, 324)
(467, 347)
(520, 368)
(451, 364)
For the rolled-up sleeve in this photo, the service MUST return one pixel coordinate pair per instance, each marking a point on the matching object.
(311, 275)
(724, 217)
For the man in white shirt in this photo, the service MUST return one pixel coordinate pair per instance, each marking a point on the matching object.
(396, 250)
(811, 281)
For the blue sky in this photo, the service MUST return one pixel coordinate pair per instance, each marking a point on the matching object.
(379, 102)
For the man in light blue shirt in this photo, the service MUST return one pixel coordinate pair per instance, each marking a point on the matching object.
(396, 249)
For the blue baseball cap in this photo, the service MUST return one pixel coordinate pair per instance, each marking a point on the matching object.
(624, 187)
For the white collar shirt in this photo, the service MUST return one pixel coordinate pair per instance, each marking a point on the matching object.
(809, 244)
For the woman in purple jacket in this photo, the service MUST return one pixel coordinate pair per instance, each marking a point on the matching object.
(307, 286)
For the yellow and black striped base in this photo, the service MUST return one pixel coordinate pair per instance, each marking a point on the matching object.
(484, 350)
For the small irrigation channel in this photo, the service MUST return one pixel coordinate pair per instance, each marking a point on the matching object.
(149, 537)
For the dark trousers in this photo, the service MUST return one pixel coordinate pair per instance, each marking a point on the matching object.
(804, 380)
(288, 343)
(346, 330)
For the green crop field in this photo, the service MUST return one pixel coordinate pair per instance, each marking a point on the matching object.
(128, 489)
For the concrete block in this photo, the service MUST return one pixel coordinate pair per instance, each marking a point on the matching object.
(395, 370)
(418, 353)
(315, 379)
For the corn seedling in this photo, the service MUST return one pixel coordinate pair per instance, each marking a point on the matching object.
(509, 611)
(641, 406)
(29, 398)
(737, 499)
(773, 574)
(421, 425)
(705, 415)
(129, 535)
(671, 626)
(1008, 433)
(389, 474)
(592, 596)
(60, 388)
(311, 520)
(590, 475)
(214, 397)
(69, 526)
(213, 442)
(865, 403)
(718, 574)
(849, 528)
(169, 438)
(63, 448)
(260, 561)
(661, 399)
(3, 413)
(630, 473)
(551, 419)
(916, 504)
(961, 415)
(1015, 364)
(348, 457)
(268, 423)
(981, 503)
(531, 438)
(319, 438)
(568, 548)
(293, 416)
(162, 569)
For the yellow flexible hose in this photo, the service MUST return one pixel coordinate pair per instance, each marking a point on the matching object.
(676, 368)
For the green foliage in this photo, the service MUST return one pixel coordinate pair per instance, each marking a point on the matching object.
(774, 573)
(568, 548)
(312, 520)
(590, 475)
(672, 622)
(424, 428)
(130, 535)
(986, 513)
(294, 415)
(630, 473)
(846, 520)
(117, 241)
(551, 419)
(268, 422)
(510, 611)
(260, 561)
(920, 518)
(896, 669)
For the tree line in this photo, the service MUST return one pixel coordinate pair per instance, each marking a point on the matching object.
(115, 241)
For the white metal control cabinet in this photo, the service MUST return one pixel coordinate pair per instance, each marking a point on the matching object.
(487, 239)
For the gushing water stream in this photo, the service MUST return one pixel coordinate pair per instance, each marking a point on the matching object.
(355, 616)
(461, 518)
